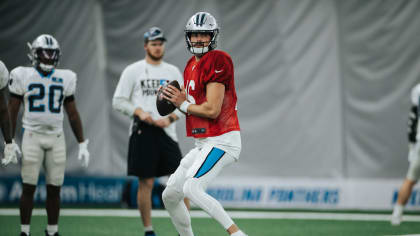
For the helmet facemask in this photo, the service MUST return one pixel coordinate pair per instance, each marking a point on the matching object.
(47, 58)
(201, 50)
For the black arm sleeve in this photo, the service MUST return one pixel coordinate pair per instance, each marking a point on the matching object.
(20, 97)
(69, 98)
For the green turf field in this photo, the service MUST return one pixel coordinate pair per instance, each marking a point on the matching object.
(127, 226)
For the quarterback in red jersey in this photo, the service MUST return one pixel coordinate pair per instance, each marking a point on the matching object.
(213, 67)
(209, 102)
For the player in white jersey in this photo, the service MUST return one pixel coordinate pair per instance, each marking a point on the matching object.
(153, 148)
(11, 149)
(413, 173)
(45, 91)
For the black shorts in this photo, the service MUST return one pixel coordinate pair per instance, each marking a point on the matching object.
(151, 152)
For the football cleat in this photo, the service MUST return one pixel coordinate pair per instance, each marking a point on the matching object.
(56, 234)
(396, 219)
(150, 233)
(24, 234)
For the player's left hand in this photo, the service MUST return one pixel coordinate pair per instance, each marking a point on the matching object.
(11, 152)
(174, 95)
(84, 153)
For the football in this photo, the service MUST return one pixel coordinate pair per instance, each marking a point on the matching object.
(164, 106)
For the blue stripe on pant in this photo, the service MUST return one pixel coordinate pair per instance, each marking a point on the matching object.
(212, 158)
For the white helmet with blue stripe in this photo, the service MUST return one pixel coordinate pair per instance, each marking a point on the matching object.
(44, 52)
(202, 22)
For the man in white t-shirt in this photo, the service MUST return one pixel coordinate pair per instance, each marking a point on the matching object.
(153, 148)
(45, 92)
(11, 149)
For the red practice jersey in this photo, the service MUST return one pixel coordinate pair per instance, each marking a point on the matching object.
(214, 66)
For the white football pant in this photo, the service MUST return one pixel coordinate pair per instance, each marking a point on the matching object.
(197, 169)
(48, 150)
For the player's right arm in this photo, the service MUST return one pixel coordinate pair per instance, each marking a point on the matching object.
(4, 113)
(218, 74)
(14, 105)
(121, 100)
(16, 97)
(12, 150)
(211, 108)
(4, 117)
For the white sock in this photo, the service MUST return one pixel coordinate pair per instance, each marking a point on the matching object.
(148, 228)
(25, 228)
(52, 229)
(398, 209)
(239, 233)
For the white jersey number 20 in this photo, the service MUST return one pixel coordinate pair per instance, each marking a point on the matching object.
(36, 100)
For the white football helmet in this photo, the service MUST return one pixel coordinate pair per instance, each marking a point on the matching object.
(201, 22)
(44, 52)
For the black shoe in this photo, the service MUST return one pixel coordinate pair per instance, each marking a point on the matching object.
(46, 233)
(150, 233)
(24, 234)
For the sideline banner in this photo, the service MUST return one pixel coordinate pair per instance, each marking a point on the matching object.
(83, 190)
(359, 194)
(268, 193)
(74, 190)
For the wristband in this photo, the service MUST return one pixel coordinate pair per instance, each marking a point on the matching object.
(184, 106)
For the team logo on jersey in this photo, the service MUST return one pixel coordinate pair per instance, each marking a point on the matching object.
(58, 80)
